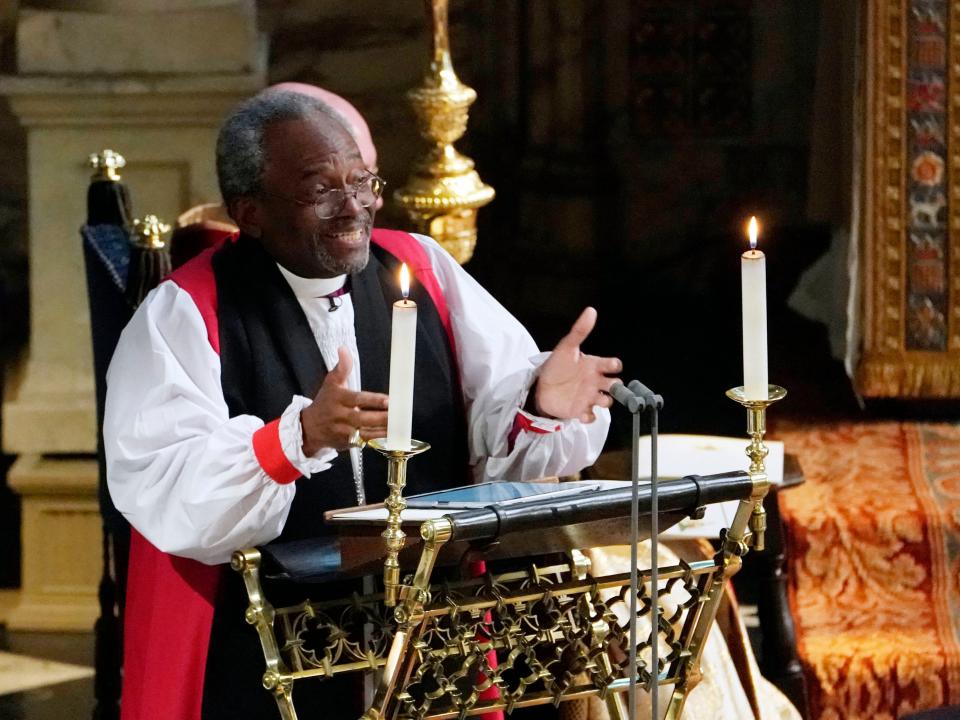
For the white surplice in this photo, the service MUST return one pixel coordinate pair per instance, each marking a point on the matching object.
(184, 473)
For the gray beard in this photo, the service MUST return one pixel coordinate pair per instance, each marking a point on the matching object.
(341, 266)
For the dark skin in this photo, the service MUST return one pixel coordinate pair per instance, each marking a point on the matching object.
(304, 154)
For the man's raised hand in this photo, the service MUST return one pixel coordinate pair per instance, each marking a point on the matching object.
(337, 411)
(572, 383)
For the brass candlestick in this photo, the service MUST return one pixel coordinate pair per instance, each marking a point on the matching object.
(756, 450)
(393, 535)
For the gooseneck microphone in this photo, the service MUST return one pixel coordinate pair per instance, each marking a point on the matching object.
(650, 398)
(626, 397)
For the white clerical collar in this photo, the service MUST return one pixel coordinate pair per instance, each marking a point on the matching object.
(312, 287)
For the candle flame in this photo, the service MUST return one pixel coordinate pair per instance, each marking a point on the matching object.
(405, 281)
(753, 229)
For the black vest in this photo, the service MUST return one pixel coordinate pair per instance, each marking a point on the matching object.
(268, 354)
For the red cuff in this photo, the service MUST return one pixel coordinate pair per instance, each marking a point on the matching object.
(270, 455)
(522, 423)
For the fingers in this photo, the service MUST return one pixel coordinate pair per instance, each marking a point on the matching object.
(373, 433)
(609, 366)
(602, 401)
(363, 400)
(367, 418)
(580, 330)
(344, 434)
(606, 383)
(605, 401)
(368, 400)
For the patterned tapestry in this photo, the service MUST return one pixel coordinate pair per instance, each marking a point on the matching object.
(911, 229)
(927, 180)
(874, 564)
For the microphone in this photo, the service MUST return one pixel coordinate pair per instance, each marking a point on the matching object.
(627, 397)
(650, 399)
(635, 397)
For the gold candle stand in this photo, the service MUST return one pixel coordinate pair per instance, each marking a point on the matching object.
(395, 503)
(756, 450)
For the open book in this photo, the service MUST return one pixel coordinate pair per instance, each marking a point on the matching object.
(678, 455)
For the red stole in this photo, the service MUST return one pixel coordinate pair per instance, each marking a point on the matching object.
(170, 600)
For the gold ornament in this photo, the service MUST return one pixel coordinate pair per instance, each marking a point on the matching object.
(444, 192)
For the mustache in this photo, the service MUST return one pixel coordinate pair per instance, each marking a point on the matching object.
(347, 227)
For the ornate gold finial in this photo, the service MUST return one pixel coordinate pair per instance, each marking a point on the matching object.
(149, 232)
(444, 191)
(106, 163)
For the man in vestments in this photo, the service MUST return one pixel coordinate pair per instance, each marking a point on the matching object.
(239, 390)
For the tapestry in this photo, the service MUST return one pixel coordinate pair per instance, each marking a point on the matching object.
(926, 327)
(873, 539)
(909, 259)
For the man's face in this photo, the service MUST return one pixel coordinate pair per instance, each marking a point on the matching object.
(302, 157)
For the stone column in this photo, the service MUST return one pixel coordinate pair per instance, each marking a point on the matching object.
(151, 80)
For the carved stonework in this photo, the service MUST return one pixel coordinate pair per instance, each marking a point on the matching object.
(911, 221)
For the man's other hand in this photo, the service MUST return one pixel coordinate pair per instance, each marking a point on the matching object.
(571, 383)
(337, 411)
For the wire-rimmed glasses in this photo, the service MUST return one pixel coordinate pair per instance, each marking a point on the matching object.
(329, 202)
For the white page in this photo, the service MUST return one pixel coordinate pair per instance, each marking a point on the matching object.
(680, 455)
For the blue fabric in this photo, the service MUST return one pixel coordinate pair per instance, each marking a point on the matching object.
(110, 244)
(106, 253)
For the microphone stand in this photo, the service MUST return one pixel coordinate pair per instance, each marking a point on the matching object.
(637, 399)
(634, 585)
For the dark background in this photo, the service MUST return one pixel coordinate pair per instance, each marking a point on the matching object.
(628, 142)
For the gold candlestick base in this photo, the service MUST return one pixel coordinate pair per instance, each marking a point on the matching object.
(393, 535)
(756, 450)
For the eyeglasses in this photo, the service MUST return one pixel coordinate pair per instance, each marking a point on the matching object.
(330, 201)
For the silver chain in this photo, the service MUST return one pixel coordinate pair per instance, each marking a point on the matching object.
(356, 463)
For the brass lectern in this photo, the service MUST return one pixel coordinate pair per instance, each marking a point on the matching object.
(536, 628)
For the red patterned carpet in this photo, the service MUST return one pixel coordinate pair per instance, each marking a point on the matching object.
(874, 539)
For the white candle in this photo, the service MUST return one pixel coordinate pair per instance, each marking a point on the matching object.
(753, 277)
(403, 343)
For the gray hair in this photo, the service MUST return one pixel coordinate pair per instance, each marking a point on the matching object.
(240, 157)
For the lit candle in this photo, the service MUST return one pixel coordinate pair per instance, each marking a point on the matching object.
(753, 277)
(403, 343)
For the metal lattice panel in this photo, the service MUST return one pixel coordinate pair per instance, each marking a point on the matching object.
(540, 636)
